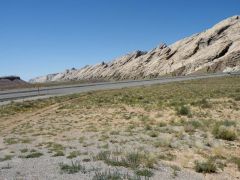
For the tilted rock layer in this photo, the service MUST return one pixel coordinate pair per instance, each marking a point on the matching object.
(214, 50)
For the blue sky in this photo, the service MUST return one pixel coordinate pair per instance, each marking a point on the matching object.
(38, 37)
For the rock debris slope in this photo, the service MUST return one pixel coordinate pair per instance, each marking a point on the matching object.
(214, 50)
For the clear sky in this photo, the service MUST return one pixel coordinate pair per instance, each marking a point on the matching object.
(38, 37)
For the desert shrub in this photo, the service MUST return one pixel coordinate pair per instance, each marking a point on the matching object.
(192, 125)
(227, 123)
(24, 150)
(167, 156)
(6, 158)
(189, 128)
(224, 132)
(205, 167)
(236, 160)
(162, 124)
(148, 127)
(237, 98)
(203, 103)
(153, 134)
(184, 111)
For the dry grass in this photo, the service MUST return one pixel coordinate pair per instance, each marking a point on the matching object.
(165, 123)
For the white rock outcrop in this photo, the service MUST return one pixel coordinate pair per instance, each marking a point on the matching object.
(214, 50)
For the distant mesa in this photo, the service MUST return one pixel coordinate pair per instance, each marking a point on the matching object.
(11, 78)
(10, 82)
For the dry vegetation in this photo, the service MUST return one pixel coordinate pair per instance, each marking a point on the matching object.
(188, 130)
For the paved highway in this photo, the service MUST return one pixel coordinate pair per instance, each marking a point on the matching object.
(6, 96)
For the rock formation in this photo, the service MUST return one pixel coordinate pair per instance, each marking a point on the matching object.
(214, 50)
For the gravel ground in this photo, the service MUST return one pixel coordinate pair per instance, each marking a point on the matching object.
(47, 168)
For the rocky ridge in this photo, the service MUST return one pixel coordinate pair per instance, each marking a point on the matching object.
(214, 50)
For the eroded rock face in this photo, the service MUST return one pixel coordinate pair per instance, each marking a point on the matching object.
(214, 50)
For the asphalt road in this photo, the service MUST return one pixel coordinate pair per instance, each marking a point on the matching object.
(34, 93)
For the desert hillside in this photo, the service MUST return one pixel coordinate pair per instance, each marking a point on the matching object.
(214, 50)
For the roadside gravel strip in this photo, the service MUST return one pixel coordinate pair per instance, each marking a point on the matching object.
(34, 93)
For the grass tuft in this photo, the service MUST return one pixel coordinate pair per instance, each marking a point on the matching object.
(131, 160)
(73, 168)
(6, 158)
(144, 172)
(74, 154)
(58, 153)
(114, 175)
(32, 155)
(236, 160)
